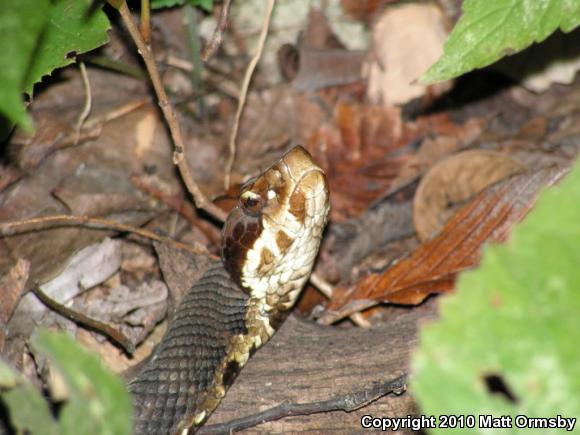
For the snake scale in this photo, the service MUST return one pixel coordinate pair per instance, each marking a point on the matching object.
(269, 243)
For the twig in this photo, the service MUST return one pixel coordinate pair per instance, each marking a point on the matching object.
(217, 37)
(326, 289)
(176, 62)
(45, 222)
(117, 112)
(321, 284)
(213, 79)
(117, 66)
(359, 320)
(192, 25)
(244, 92)
(179, 149)
(348, 403)
(182, 207)
(88, 101)
(95, 325)
(145, 25)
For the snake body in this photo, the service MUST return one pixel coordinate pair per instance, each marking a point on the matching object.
(269, 244)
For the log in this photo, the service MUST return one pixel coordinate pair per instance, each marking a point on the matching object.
(306, 363)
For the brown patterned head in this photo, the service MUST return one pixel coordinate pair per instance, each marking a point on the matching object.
(271, 238)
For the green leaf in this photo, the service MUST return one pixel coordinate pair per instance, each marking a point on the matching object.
(7, 376)
(38, 36)
(158, 4)
(491, 29)
(28, 410)
(21, 23)
(515, 318)
(204, 4)
(99, 402)
(73, 29)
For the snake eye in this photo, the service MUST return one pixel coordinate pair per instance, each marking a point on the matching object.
(251, 201)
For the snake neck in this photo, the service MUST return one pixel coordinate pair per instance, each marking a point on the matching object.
(261, 321)
(270, 241)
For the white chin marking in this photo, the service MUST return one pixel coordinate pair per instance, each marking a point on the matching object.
(286, 275)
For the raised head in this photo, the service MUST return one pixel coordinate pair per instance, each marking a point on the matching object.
(271, 238)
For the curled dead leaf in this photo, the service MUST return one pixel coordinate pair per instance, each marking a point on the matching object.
(432, 267)
(452, 182)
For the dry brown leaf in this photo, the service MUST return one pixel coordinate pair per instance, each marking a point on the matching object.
(432, 267)
(320, 69)
(452, 182)
(409, 28)
(447, 139)
(318, 33)
(180, 270)
(319, 59)
(364, 9)
(365, 148)
(361, 154)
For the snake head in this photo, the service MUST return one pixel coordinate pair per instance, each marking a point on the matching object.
(271, 238)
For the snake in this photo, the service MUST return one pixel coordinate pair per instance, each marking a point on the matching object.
(270, 241)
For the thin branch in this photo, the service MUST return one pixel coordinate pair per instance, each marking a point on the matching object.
(217, 37)
(213, 79)
(145, 26)
(88, 101)
(244, 92)
(117, 112)
(46, 222)
(179, 149)
(93, 324)
(321, 284)
(135, 72)
(349, 402)
(192, 25)
(326, 289)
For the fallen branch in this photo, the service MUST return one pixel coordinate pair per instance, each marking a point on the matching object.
(347, 403)
(93, 324)
(217, 37)
(46, 222)
(179, 158)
